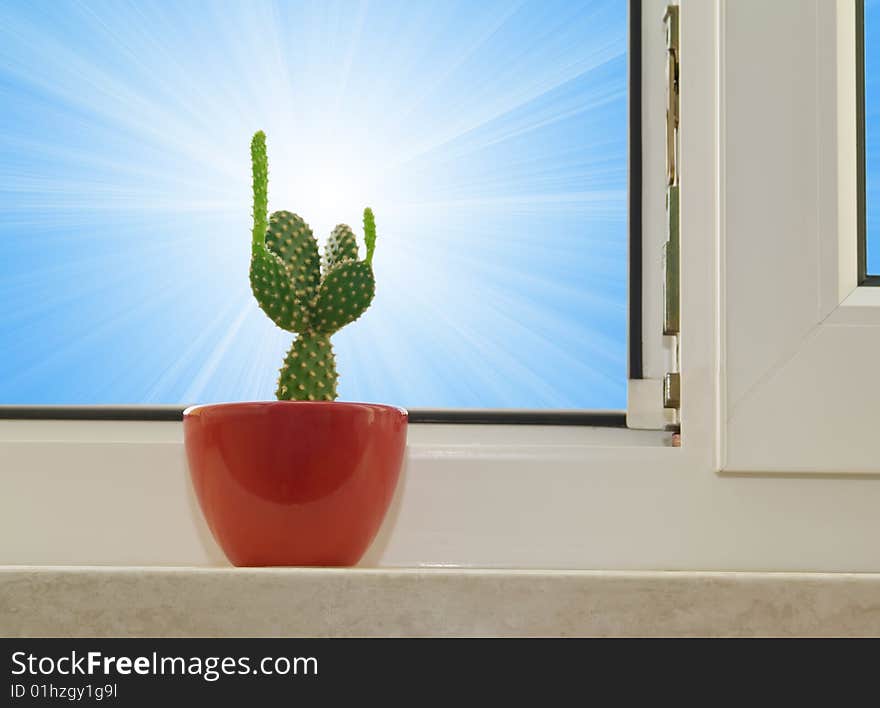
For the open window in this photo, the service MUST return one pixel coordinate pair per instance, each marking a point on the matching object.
(519, 279)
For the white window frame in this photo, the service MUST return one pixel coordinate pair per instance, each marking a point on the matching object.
(734, 496)
(799, 338)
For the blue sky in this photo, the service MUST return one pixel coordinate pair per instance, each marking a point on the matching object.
(489, 138)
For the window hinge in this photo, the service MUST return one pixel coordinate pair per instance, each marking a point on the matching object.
(671, 323)
(672, 247)
(672, 391)
(670, 19)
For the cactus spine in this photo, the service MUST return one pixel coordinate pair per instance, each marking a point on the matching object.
(302, 293)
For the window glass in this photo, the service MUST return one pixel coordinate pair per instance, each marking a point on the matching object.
(490, 139)
(872, 133)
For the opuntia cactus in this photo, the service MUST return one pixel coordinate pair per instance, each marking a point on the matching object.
(302, 293)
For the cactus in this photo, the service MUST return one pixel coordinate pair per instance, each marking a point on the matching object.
(302, 293)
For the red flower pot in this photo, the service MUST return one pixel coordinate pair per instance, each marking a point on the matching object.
(294, 483)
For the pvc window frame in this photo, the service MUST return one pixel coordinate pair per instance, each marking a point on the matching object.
(793, 486)
(114, 458)
(799, 328)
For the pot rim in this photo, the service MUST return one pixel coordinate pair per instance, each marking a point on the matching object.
(197, 409)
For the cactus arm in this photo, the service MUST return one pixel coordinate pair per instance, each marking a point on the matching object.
(345, 293)
(341, 246)
(309, 370)
(260, 170)
(369, 233)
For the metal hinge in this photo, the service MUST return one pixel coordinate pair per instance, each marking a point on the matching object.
(671, 249)
(670, 19)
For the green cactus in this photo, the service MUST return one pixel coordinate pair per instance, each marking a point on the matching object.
(303, 293)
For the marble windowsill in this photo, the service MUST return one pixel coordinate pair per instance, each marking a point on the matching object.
(290, 602)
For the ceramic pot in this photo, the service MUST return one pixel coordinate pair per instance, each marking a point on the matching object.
(289, 483)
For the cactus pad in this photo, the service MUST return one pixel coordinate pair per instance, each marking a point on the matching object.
(340, 246)
(309, 370)
(291, 239)
(275, 292)
(345, 293)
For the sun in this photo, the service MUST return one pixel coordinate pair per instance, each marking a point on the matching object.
(325, 183)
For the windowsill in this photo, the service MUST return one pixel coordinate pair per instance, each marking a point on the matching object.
(92, 492)
(160, 602)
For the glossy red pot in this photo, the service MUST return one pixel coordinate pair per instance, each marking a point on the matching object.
(294, 483)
